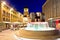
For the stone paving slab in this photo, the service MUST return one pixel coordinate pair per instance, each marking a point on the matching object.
(7, 35)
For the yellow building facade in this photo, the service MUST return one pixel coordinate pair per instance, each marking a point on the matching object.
(13, 15)
(5, 14)
(20, 15)
(0, 11)
(8, 15)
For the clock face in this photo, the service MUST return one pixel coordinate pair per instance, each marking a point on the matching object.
(26, 10)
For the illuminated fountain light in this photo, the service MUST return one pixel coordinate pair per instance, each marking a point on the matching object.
(39, 29)
(38, 26)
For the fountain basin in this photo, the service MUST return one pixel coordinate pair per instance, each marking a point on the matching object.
(38, 34)
(39, 30)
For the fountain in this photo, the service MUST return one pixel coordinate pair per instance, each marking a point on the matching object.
(38, 26)
(39, 30)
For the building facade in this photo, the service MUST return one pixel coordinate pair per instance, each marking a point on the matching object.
(5, 14)
(20, 17)
(8, 15)
(51, 9)
(0, 11)
(26, 12)
(14, 15)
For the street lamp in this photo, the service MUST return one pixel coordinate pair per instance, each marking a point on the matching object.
(3, 2)
(11, 9)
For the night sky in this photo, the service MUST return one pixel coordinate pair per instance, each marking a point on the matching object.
(33, 5)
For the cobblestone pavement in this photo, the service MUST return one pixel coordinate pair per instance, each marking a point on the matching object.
(7, 35)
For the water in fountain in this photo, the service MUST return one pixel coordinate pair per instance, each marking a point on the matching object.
(38, 26)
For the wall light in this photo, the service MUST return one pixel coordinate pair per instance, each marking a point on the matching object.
(3, 2)
(11, 9)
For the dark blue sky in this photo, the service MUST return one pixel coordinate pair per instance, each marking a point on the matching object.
(33, 5)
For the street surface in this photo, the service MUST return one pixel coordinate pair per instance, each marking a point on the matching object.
(7, 35)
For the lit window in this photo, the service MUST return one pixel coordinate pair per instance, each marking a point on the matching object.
(3, 19)
(3, 12)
